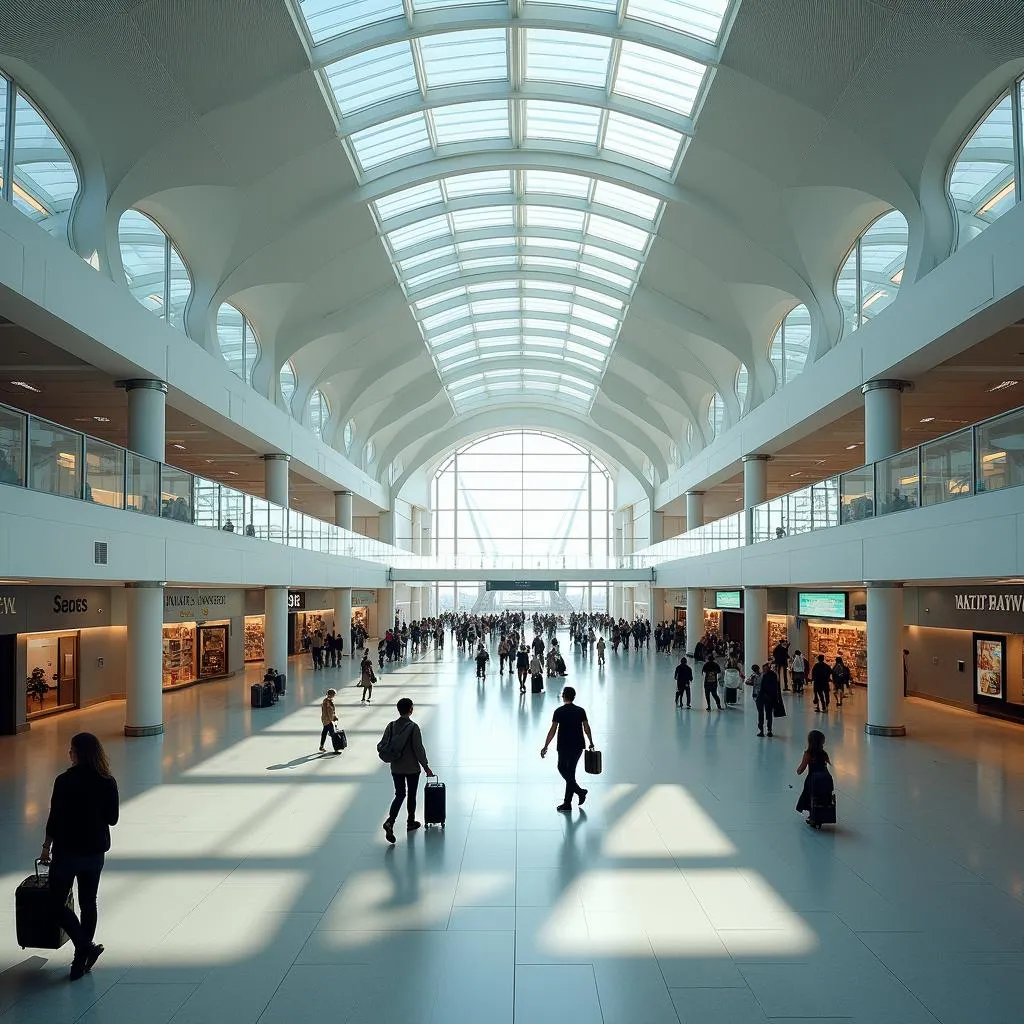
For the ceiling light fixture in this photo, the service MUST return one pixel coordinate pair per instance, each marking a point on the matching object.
(928, 419)
(102, 419)
(179, 446)
(1001, 386)
(791, 475)
(1006, 190)
(24, 384)
(231, 472)
(850, 447)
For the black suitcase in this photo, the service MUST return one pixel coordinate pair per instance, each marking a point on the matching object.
(338, 739)
(269, 694)
(434, 802)
(823, 812)
(537, 684)
(36, 916)
(731, 693)
(280, 682)
(592, 762)
(256, 694)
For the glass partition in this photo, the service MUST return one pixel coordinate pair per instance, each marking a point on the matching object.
(278, 519)
(257, 521)
(54, 459)
(857, 494)
(143, 484)
(12, 444)
(232, 510)
(799, 512)
(999, 446)
(947, 468)
(104, 473)
(176, 494)
(897, 482)
(206, 503)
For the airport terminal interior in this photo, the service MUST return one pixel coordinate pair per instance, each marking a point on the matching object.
(363, 341)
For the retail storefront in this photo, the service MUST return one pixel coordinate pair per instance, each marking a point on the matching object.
(364, 610)
(61, 648)
(833, 624)
(965, 646)
(203, 635)
(723, 614)
(308, 611)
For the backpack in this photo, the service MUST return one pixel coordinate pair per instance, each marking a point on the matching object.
(387, 749)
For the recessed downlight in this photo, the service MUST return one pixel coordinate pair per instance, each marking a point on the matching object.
(102, 419)
(25, 384)
(179, 446)
(850, 447)
(927, 419)
(1001, 386)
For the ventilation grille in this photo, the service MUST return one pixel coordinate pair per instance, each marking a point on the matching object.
(100, 552)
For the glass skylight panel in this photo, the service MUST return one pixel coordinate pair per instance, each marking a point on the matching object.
(481, 183)
(381, 143)
(446, 316)
(555, 217)
(564, 122)
(594, 317)
(557, 183)
(700, 18)
(419, 259)
(601, 297)
(589, 334)
(618, 197)
(408, 199)
(466, 245)
(599, 253)
(433, 300)
(616, 231)
(420, 231)
(327, 19)
(437, 5)
(488, 263)
(601, 274)
(431, 275)
(504, 305)
(656, 76)
(482, 217)
(373, 76)
(531, 304)
(642, 140)
(445, 337)
(471, 122)
(464, 58)
(570, 58)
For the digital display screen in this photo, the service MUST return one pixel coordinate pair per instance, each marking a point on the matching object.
(731, 600)
(822, 606)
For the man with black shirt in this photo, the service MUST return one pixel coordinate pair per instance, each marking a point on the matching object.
(684, 676)
(821, 676)
(570, 722)
(712, 673)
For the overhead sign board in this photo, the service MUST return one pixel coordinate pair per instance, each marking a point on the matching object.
(522, 584)
(729, 600)
(822, 605)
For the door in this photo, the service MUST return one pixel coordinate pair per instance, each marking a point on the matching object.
(67, 671)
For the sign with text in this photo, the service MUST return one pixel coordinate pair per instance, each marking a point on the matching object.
(522, 585)
(200, 605)
(822, 606)
(729, 600)
(362, 598)
(296, 600)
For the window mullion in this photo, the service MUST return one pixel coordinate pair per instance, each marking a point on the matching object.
(167, 279)
(8, 162)
(1018, 140)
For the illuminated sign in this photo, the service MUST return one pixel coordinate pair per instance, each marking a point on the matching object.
(822, 606)
(730, 600)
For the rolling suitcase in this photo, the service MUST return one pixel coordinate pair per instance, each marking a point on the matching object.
(537, 684)
(339, 740)
(592, 762)
(731, 694)
(256, 694)
(280, 682)
(434, 802)
(823, 812)
(36, 916)
(269, 694)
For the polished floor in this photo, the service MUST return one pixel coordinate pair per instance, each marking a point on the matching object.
(250, 880)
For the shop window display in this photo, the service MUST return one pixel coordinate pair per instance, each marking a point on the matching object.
(254, 638)
(179, 661)
(851, 642)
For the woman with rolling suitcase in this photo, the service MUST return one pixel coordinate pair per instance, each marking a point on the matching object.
(818, 795)
(83, 807)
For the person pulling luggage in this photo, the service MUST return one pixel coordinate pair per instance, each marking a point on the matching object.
(328, 716)
(570, 723)
(401, 746)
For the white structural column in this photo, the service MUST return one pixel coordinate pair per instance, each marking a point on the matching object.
(386, 527)
(885, 660)
(755, 599)
(415, 603)
(275, 483)
(343, 617)
(415, 518)
(343, 510)
(657, 527)
(144, 708)
(694, 509)
(275, 628)
(385, 609)
(694, 617)
(147, 414)
(883, 418)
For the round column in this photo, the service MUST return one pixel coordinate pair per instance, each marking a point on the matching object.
(694, 509)
(147, 415)
(885, 660)
(343, 617)
(883, 418)
(343, 509)
(275, 482)
(385, 610)
(144, 708)
(755, 626)
(415, 604)
(275, 628)
(694, 617)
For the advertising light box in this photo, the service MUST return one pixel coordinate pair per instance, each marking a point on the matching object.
(822, 606)
(729, 600)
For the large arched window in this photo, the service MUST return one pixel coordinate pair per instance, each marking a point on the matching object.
(319, 412)
(790, 345)
(872, 273)
(348, 435)
(286, 383)
(369, 454)
(716, 414)
(153, 267)
(742, 387)
(37, 173)
(522, 493)
(984, 181)
(238, 342)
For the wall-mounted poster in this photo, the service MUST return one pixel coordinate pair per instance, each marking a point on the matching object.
(989, 667)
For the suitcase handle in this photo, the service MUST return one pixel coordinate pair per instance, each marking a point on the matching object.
(46, 864)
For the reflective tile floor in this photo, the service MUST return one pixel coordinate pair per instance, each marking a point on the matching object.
(250, 879)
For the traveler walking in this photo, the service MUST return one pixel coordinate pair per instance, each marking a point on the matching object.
(712, 671)
(522, 667)
(840, 679)
(684, 677)
(366, 678)
(570, 722)
(821, 675)
(769, 693)
(819, 786)
(401, 746)
(780, 657)
(83, 806)
(799, 672)
(601, 645)
(328, 716)
(482, 657)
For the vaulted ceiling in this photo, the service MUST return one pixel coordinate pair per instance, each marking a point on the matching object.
(586, 214)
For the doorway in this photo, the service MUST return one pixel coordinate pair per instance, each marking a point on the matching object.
(52, 663)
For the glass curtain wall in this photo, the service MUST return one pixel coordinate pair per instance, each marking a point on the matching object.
(522, 493)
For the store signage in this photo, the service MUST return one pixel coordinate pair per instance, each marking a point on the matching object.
(362, 598)
(200, 605)
(1005, 602)
(522, 584)
(8, 605)
(822, 605)
(730, 600)
(30, 609)
(296, 600)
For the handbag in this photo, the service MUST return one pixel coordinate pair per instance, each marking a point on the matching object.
(780, 708)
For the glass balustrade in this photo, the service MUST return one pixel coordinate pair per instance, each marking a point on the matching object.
(104, 473)
(898, 482)
(947, 468)
(857, 495)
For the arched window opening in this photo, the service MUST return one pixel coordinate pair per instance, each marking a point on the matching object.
(984, 181)
(319, 412)
(370, 453)
(349, 435)
(286, 383)
(872, 273)
(153, 267)
(394, 471)
(790, 345)
(238, 342)
(742, 386)
(716, 414)
(523, 493)
(37, 173)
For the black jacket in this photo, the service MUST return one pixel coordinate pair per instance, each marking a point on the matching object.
(83, 807)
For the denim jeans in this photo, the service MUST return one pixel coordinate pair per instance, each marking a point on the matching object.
(64, 870)
(404, 783)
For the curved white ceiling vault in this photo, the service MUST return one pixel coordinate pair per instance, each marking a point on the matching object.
(588, 213)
